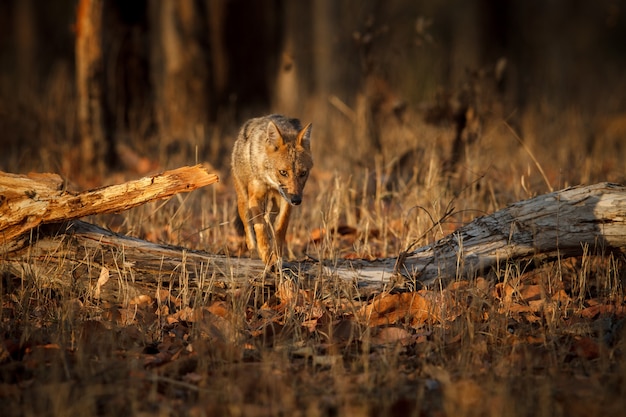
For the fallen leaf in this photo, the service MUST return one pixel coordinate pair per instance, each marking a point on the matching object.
(185, 314)
(141, 299)
(388, 309)
(317, 235)
(603, 309)
(219, 308)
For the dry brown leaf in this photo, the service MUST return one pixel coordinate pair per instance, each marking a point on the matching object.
(603, 309)
(458, 285)
(219, 308)
(141, 299)
(215, 327)
(388, 309)
(317, 235)
(185, 314)
(310, 325)
(531, 292)
(288, 296)
(595, 301)
(561, 296)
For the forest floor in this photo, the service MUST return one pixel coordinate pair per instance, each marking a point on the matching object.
(523, 340)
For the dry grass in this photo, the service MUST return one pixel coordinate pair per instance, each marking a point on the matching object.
(547, 341)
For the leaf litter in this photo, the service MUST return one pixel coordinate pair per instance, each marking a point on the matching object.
(444, 343)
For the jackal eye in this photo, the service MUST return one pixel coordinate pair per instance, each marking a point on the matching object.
(303, 174)
(283, 173)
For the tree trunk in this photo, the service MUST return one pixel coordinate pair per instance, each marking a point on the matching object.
(25, 34)
(94, 146)
(181, 72)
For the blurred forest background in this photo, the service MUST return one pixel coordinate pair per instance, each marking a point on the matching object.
(88, 87)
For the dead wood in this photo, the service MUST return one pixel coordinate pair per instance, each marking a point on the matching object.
(75, 252)
(561, 224)
(28, 201)
(571, 222)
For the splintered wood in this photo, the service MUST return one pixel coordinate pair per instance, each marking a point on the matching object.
(28, 201)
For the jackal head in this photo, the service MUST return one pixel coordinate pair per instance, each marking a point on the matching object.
(288, 162)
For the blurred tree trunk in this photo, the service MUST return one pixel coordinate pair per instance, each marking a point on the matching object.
(25, 29)
(220, 111)
(92, 127)
(253, 37)
(293, 61)
(181, 72)
(374, 90)
(216, 14)
(128, 92)
(326, 28)
(332, 81)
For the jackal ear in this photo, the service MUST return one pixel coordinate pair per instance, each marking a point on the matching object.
(274, 138)
(304, 137)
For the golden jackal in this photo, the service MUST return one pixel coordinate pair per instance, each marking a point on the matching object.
(271, 159)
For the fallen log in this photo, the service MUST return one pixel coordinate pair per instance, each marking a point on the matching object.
(571, 222)
(28, 201)
(76, 252)
(557, 225)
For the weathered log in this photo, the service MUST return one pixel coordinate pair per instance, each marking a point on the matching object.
(561, 224)
(77, 251)
(28, 201)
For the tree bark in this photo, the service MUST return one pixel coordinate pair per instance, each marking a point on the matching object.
(94, 145)
(28, 201)
(181, 71)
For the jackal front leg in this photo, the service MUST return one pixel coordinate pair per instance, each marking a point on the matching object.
(280, 226)
(256, 213)
(245, 215)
